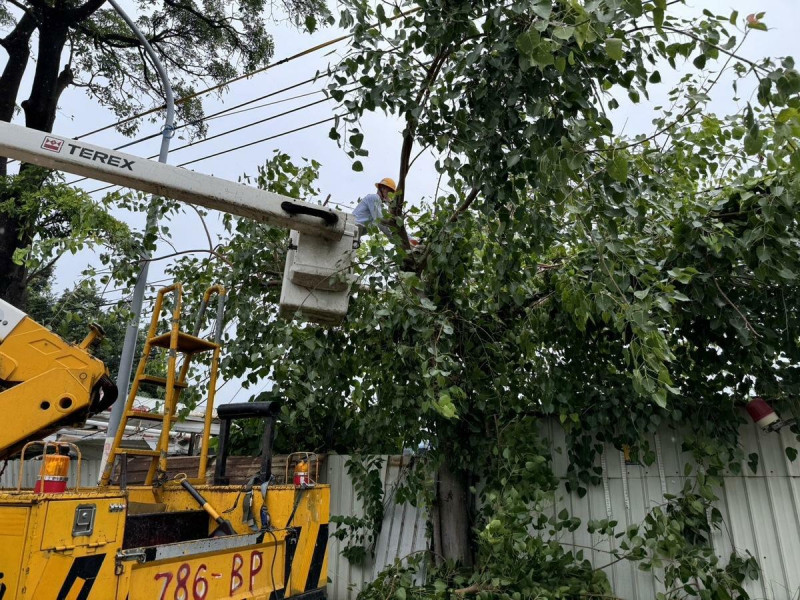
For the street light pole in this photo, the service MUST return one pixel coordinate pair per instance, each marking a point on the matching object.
(132, 333)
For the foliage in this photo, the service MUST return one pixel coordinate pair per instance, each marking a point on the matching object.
(67, 220)
(361, 533)
(619, 284)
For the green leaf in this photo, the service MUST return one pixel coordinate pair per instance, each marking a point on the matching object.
(357, 166)
(700, 61)
(753, 143)
(617, 167)
(791, 453)
(543, 9)
(542, 55)
(356, 140)
(526, 42)
(658, 18)
(752, 462)
(563, 32)
(614, 48)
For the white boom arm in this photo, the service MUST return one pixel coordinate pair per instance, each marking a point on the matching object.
(319, 290)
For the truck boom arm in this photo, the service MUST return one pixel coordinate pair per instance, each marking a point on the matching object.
(45, 383)
(316, 282)
(96, 162)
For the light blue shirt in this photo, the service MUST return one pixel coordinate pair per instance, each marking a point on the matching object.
(368, 210)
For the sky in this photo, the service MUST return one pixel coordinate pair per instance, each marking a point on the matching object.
(78, 115)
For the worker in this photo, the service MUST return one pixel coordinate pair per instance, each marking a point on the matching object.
(370, 208)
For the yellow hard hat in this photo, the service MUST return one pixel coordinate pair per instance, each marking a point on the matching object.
(388, 182)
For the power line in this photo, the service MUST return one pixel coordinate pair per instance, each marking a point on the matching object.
(266, 139)
(220, 153)
(231, 111)
(251, 124)
(214, 88)
(222, 113)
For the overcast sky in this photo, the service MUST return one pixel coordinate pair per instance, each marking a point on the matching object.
(77, 115)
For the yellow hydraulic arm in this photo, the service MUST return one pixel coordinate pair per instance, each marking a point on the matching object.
(45, 382)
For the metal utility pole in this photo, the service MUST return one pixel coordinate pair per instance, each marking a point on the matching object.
(132, 333)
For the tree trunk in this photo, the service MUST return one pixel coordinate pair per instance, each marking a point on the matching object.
(40, 107)
(451, 517)
(17, 229)
(17, 44)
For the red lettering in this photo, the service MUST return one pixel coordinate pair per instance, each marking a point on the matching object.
(167, 577)
(200, 587)
(256, 563)
(236, 573)
(181, 591)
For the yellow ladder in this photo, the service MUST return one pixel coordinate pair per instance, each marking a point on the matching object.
(176, 342)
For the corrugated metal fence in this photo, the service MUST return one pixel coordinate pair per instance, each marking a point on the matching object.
(90, 473)
(761, 512)
(402, 534)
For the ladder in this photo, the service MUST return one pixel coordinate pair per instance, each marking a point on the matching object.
(175, 342)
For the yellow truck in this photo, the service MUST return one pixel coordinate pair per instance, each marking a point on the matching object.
(162, 540)
(169, 538)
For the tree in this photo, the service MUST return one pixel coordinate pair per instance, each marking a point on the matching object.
(618, 284)
(88, 45)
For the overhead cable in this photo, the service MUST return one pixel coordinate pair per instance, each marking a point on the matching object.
(218, 135)
(272, 137)
(266, 139)
(214, 88)
(230, 111)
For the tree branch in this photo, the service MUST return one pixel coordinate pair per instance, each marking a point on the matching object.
(215, 23)
(21, 33)
(473, 194)
(84, 11)
(27, 12)
(736, 308)
(475, 588)
(408, 144)
(212, 252)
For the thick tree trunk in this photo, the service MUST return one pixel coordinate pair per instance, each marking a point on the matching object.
(17, 229)
(17, 45)
(451, 517)
(48, 82)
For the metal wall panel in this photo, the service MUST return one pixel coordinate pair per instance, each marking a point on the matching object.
(761, 511)
(403, 531)
(90, 473)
